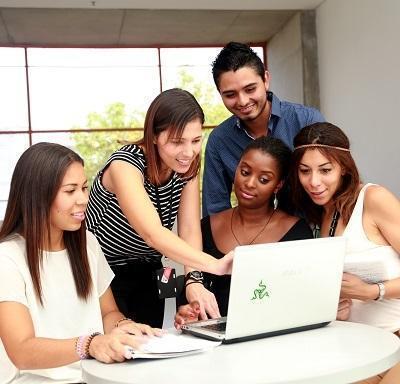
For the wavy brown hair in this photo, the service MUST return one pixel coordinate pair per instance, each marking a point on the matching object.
(346, 195)
(35, 182)
(171, 110)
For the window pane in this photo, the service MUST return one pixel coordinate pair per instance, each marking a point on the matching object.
(260, 52)
(186, 67)
(94, 147)
(67, 85)
(11, 148)
(190, 69)
(13, 96)
(174, 60)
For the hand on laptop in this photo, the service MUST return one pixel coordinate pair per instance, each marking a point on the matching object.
(187, 314)
(223, 266)
(344, 308)
(206, 300)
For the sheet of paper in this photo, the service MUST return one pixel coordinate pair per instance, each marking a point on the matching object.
(373, 266)
(144, 355)
(173, 345)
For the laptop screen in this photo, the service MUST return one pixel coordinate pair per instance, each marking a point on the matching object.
(284, 285)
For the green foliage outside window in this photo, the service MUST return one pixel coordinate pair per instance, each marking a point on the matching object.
(96, 147)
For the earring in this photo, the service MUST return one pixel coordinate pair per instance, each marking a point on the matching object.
(275, 202)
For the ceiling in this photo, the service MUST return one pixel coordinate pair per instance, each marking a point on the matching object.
(143, 23)
(165, 4)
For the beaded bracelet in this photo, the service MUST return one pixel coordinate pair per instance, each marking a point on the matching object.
(82, 345)
(79, 347)
(89, 341)
(121, 320)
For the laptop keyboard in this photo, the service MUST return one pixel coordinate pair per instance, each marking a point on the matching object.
(220, 327)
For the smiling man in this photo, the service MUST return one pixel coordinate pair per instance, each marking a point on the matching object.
(243, 84)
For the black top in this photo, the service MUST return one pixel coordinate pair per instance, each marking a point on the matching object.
(220, 285)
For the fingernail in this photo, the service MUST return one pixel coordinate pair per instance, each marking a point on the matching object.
(128, 353)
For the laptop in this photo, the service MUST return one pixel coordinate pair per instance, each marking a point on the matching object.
(279, 288)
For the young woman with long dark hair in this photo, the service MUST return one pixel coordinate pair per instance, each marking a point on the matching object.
(55, 295)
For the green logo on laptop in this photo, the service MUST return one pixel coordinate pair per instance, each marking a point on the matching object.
(261, 292)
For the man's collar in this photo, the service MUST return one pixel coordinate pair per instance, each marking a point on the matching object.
(275, 104)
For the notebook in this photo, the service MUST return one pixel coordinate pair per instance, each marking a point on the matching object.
(279, 288)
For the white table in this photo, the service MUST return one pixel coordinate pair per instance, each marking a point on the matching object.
(342, 352)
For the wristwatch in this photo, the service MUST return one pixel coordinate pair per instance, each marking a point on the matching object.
(195, 276)
(381, 295)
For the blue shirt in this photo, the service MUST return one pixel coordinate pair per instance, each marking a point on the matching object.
(228, 140)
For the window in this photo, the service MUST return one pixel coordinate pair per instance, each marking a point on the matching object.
(67, 84)
(93, 99)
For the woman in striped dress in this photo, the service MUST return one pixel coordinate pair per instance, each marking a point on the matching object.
(136, 198)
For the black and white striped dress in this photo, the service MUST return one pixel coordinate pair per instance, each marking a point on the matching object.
(119, 241)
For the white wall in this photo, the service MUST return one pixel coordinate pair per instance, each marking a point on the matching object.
(359, 69)
(284, 54)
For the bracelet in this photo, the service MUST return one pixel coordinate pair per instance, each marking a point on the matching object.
(79, 349)
(89, 341)
(193, 282)
(121, 320)
(382, 292)
(82, 344)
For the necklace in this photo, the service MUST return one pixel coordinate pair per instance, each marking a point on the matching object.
(258, 234)
(334, 223)
(253, 135)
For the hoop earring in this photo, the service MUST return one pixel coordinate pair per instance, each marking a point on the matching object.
(275, 202)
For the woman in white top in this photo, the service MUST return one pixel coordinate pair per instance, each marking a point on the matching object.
(327, 187)
(55, 296)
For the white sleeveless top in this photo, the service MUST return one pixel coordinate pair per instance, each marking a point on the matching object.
(384, 313)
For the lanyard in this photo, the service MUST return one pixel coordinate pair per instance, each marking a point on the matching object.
(168, 205)
(334, 222)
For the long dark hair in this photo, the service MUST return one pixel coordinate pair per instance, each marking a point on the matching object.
(171, 110)
(35, 182)
(346, 195)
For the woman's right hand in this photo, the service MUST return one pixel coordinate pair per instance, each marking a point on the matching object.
(187, 314)
(205, 298)
(224, 266)
(115, 347)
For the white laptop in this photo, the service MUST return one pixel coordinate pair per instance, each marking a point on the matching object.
(279, 288)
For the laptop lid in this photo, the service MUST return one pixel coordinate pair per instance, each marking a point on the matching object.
(284, 286)
(279, 288)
